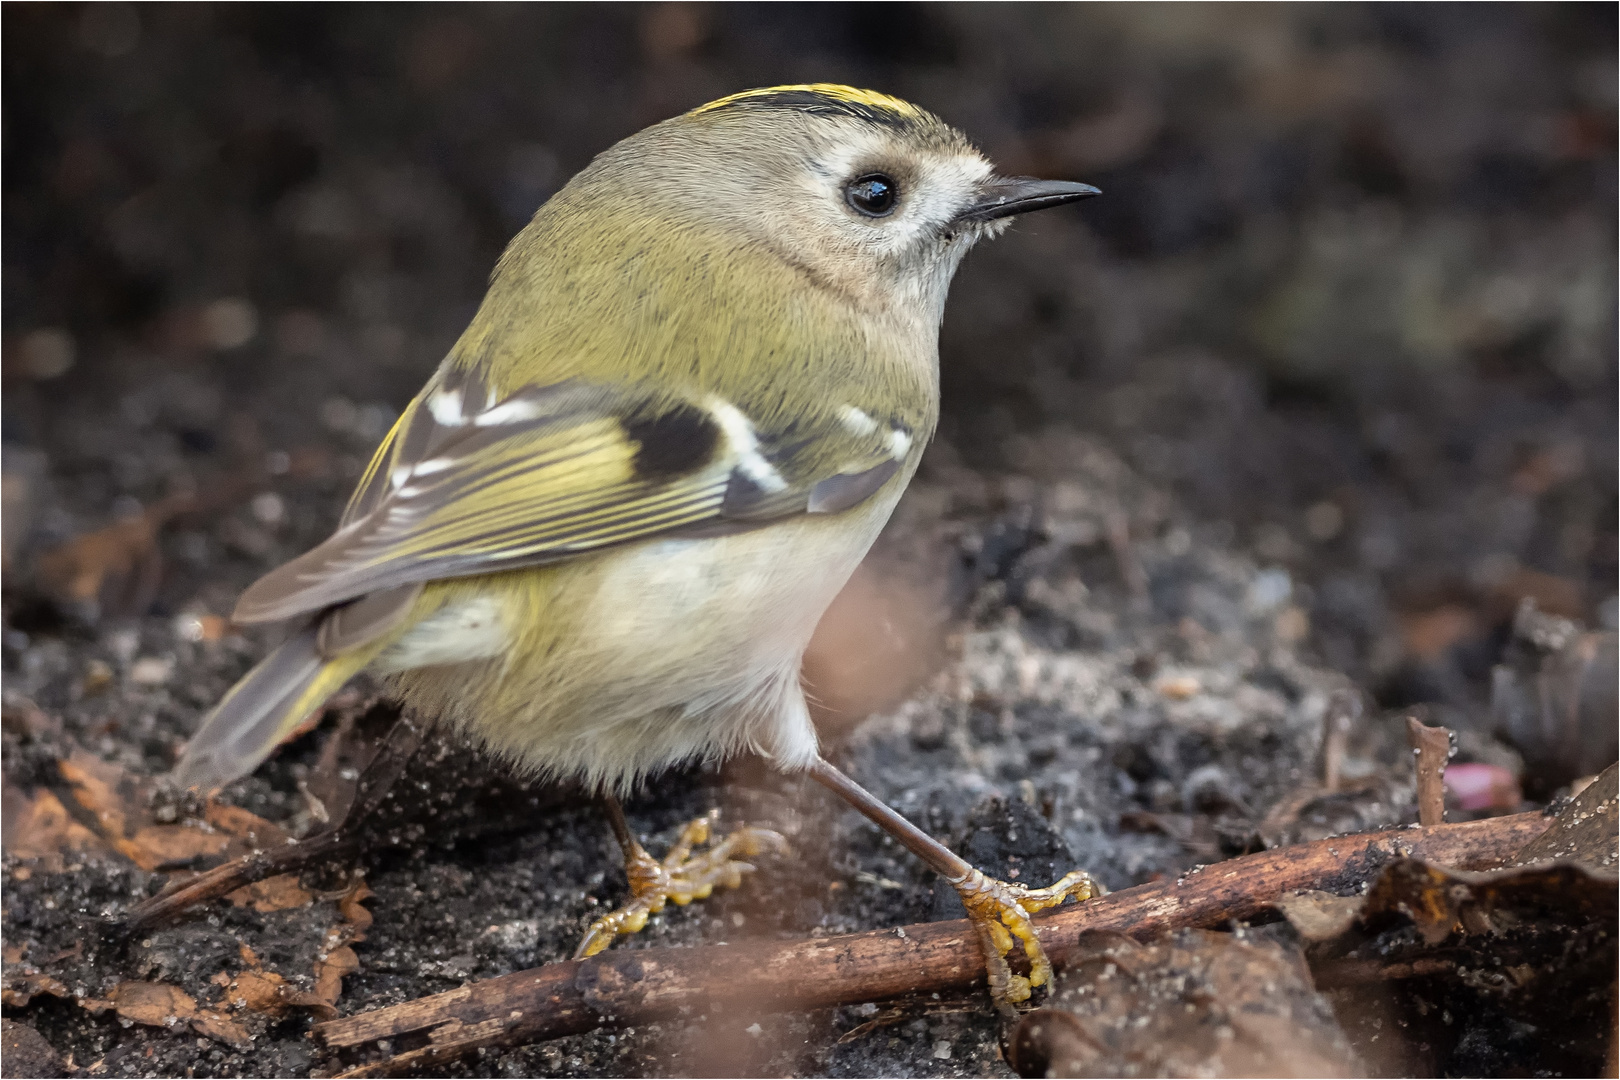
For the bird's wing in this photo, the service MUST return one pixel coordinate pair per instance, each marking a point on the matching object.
(466, 486)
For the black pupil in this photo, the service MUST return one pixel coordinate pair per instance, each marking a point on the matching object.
(873, 194)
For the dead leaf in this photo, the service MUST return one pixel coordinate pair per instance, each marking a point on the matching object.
(23, 718)
(168, 844)
(244, 825)
(338, 959)
(105, 790)
(23, 986)
(117, 801)
(1320, 916)
(221, 1028)
(156, 1004)
(329, 972)
(1196, 1003)
(268, 994)
(40, 827)
(116, 567)
(1587, 830)
(354, 912)
(1439, 902)
(1428, 634)
(1558, 595)
(279, 893)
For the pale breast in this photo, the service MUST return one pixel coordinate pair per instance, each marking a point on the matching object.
(645, 656)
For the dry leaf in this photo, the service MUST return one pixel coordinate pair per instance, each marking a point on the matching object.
(1428, 634)
(23, 986)
(40, 827)
(329, 972)
(337, 959)
(1195, 1003)
(1586, 829)
(27, 720)
(217, 1026)
(354, 913)
(245, 826)
(167, 844)
(268, 994)
(156, 1004)
(279, 893)
(116, 799)
(117, 567)
(1320, 916)
(97, 787)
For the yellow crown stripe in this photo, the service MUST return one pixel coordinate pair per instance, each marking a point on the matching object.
(847, 95)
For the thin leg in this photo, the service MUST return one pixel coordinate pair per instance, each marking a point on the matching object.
(621, 828)
(1000, 910)
(681, 876)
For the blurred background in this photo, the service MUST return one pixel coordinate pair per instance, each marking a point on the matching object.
(1350, 292)
(1310, 420)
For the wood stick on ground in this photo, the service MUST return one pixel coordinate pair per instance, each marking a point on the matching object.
(1343, 709)
(338, 843)
(1431, 746)
(634, 986)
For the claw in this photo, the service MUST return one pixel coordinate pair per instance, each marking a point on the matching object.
(1000, 912)
(681, 877)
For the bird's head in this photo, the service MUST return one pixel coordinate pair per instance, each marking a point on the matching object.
(865, 194)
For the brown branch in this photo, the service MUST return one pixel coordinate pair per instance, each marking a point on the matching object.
(1130, 567)
(1432, 747)
(633, 986)
(178, 896)
(340, 842)
(1344, 707)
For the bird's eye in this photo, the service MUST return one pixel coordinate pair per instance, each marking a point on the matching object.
(873, 195)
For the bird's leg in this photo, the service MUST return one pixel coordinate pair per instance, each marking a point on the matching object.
(1000, 910)
(681, 876)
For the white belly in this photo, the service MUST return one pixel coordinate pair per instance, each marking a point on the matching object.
(685, 648)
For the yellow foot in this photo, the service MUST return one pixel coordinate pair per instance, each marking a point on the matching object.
(1000, 912)
(681, 877)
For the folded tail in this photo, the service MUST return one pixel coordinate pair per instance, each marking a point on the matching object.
(263, 709)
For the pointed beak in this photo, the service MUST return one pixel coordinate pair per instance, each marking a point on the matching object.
(1006, 196)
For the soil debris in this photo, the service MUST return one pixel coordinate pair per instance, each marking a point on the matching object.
(1197, 1003)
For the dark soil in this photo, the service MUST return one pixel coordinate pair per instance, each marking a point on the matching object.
(1306, 405)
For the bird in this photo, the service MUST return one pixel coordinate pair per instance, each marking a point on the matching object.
(598, 540)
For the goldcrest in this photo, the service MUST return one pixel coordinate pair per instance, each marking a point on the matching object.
(600, 537)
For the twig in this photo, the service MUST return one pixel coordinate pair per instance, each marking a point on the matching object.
(1130, 567)
(340, 842)
(634, 986)
(1344, 707)
(1432, 748)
